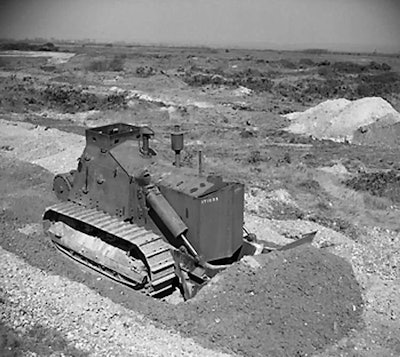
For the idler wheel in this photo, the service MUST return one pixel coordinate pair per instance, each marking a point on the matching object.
(62, 185)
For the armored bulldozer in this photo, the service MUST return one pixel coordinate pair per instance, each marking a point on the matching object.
(144, 222)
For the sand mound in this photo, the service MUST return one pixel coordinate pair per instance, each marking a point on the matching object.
(295, 303)
(339, 119)
(384, 132)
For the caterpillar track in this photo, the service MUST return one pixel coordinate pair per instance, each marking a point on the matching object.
(120, 250)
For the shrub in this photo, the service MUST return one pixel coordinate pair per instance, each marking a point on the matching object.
(145, 71)
(254, 157)
(306, 62)
(348, 67)
(115, 64)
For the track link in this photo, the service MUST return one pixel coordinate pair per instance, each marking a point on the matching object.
(155, 251)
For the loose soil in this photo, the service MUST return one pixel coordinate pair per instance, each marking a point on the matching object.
(278, 308)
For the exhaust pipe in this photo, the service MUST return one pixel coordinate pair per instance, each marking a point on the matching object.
(200, 162)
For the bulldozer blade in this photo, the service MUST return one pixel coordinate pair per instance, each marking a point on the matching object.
(306, 238)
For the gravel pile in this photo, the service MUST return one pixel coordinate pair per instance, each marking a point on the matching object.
(339, 119)
(383, 133)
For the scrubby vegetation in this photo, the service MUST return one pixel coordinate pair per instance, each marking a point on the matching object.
(114, 64)
(26, 46)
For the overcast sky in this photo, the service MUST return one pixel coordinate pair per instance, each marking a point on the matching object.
(334, 24)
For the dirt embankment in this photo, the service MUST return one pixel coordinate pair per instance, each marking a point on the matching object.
(283, 304)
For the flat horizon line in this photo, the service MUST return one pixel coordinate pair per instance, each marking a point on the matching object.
(256, 46)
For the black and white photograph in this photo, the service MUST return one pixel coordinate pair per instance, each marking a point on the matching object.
(213, 178)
